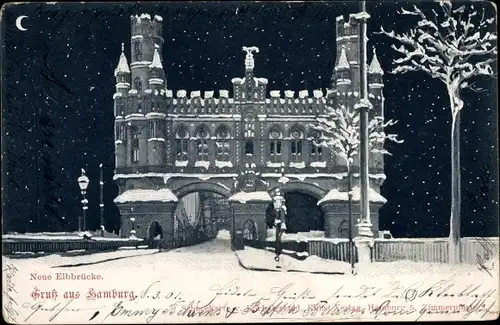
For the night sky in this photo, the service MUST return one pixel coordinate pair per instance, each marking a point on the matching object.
(57, 103)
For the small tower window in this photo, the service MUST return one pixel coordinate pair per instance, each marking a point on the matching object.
(275, 145)
(137, 51)
(202, 136)
(222, 143)
(296, 144)
(135, 146)
(181, 144)
(138, 84)
(316, 151)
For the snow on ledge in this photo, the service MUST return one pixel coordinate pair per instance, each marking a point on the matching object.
(336, 195)
(273, 164)
(222, 164)
(318, 164)
(163, 195)
(156, 139)
(202, 163)
(179, 163)
(243, 197)
(170, 175)
(298, 164)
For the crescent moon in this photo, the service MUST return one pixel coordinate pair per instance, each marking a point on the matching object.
(19, 21)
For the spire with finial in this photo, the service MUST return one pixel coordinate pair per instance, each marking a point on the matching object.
(122, 63)
(375, 67)
(156, 59)
(343, 63)
(249, 61)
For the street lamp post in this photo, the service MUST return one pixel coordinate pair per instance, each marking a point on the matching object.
(364, 106)
(83, 182)
(101, 203)
(132, 232)
(278, 225)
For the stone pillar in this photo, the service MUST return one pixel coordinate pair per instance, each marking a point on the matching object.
(364, 246)
(128, 154)
(254, 211)
(142, 212)
(333, 219)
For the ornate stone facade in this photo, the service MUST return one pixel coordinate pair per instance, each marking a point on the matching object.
(166, 139)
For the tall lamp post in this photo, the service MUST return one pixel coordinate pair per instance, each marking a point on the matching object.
(278, 201)
(364, 106)
(101, 203)
(83, 182)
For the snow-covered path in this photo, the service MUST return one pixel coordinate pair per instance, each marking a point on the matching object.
(209, 275)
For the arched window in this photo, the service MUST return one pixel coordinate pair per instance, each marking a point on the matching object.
(222, 143)
(154, 129)
(275, 137)
(249, 148)
(202, 136)
(316, 151)
(181, 143)
(137, 51)
(296, 142)
(135, 145)
(138, 84)
(249, 126)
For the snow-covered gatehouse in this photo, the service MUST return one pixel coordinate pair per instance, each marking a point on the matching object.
(171, 143)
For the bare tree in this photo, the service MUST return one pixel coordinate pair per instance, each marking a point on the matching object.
(455, 46)
(340, 133)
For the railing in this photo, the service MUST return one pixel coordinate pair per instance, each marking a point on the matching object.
(433, 250)
(339, 250)
(12, 247)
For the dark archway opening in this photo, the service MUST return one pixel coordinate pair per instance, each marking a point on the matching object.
(155, 231)
(303, 213)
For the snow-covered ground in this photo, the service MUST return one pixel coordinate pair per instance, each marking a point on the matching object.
(171, 284)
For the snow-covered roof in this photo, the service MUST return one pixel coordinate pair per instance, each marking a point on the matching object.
(237, 80)
(275, 93)
(336, 195)
(181, 93)
(122, 63)
(209, 94)
(156, 59)
(260, 81)
(163, 195)
(303, 93)
(289, 93)
(375, 65)
(243, 197)
(195, 93)
(318, 93)
(224, 93)
(343, 63)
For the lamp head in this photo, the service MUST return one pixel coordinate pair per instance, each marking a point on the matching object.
(83, 181)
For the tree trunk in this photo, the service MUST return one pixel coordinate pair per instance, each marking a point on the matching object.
(454, 242)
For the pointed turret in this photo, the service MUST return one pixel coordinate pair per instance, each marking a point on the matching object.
(343, 72)
(375, 67)
(156, 80)
(156, 59)
(122, 74)
(122, 67)
(375, 73)
(343, 63)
